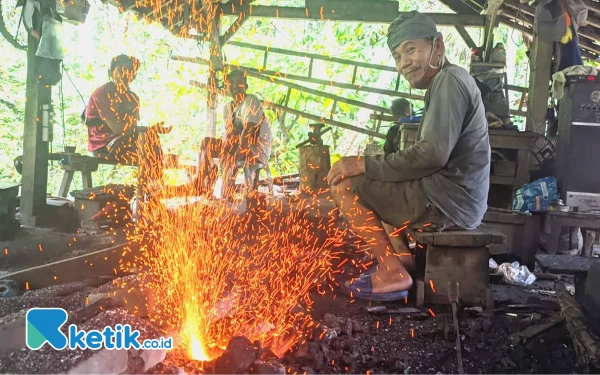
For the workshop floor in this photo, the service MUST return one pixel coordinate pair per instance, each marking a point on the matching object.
(36, 246)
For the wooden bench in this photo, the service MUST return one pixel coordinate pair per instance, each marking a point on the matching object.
(455, 256)
(9, 225)
(554, 221)
(568, 265)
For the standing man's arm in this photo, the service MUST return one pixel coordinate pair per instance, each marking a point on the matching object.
(440, 130)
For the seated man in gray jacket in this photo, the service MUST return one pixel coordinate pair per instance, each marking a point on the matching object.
(441, 181)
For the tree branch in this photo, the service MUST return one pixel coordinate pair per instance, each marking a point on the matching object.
(6, 34)
(10, 105)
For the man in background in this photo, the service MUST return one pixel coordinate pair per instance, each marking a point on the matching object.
(247, 135)
(112, 117)
(400, 108)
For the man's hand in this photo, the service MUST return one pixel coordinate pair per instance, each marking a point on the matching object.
(348, 166)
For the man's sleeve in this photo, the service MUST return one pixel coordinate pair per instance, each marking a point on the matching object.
(390, 137)
(440, 130)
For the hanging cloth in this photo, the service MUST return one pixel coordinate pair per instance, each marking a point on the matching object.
(570, 53)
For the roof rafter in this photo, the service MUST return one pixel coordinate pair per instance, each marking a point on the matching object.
(336, 12)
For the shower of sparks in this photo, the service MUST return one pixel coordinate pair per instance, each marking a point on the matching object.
(214, 273)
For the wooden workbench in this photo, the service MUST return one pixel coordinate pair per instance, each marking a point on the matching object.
(523, 142)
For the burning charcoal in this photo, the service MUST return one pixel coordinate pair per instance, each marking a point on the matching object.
(267, 367)
(349, 344)
(395, 364)
(349, 327)
(303, 351)
(237, 358)
(320, 360)
(347, 360)
(332, 322)
(508, 363)
(474, 330)
(357, 326)
(487, 325)
(164, 368)
(308, 371)
(267, 354)
(331, 334)
(448, 330)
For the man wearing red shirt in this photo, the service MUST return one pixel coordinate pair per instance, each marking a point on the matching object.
(112, 117)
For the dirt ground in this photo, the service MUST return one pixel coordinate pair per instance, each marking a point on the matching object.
(419, 343)
(357, 341)
(36, 246)
(349, 338)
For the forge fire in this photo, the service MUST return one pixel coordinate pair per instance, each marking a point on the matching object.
(213, 273)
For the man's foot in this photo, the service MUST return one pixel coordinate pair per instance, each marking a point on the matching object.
(382, 285)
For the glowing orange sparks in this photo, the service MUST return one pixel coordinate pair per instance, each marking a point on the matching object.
(432, 286)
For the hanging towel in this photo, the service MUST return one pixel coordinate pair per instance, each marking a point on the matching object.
(560, 78)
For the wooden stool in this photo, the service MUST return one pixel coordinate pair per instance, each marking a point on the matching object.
(456, 256)
(568, 265)
(554, 221)
(252, 174)
(72, 163)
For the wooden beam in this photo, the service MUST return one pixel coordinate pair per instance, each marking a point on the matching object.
(210, 12)
(256, 72)
(587, 37)
(539, 84)
(235, 26)
(593, 6)
(325, 120)
(492, 13)
(319, 81)
(464, 34)
(461, 7)
(315, 56)
(348, 15)
(279, 107)
(527, 18)
(593, 19)
(327, 95)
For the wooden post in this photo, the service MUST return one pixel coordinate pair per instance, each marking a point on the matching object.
(315, 163)
(212, 18)
(539, 84)
(490, 24)
(35, 149)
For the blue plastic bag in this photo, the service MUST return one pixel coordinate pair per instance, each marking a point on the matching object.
(414, 119)
(543, 190)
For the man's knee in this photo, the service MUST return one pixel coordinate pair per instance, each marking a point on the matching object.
(341, 190)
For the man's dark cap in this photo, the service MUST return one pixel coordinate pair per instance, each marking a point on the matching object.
(410, 26)
(236, 73)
